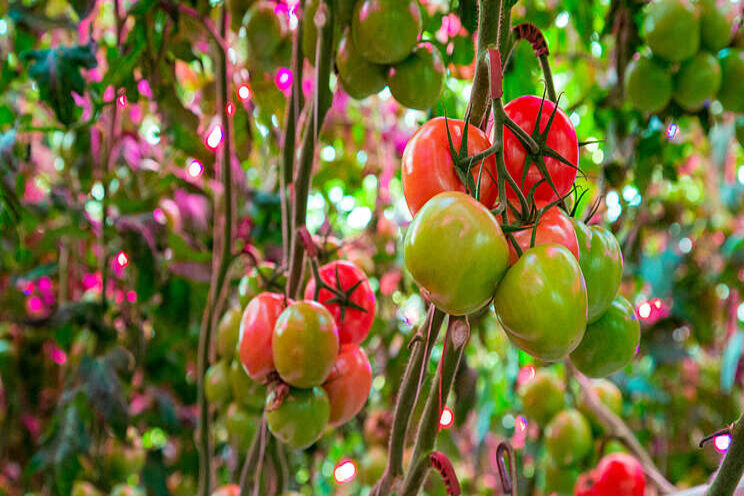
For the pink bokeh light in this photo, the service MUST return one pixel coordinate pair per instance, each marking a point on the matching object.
(283, 79)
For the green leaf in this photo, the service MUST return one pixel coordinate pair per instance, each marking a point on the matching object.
(104, 390)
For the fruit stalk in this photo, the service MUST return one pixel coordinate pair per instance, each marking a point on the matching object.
(303, 178)
(251, 459)
(220, 261)
(729, 475)
(458, 333)
(487, 36)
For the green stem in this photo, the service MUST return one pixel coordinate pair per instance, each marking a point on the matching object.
(526, 140)
(729, 475)
(455, 341)
(251, 460)
(220, 260)
(487, 36)
(548, 75)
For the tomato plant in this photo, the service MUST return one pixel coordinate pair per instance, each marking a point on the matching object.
(672, 29)
(417, 81)
(228, 332)
(217, 383)
(697, 81)
(616, 474)
(554, 226)
(256, 331)
(385, 31)
(568, 437)
(542, 396)
(359, 77)
(648, 84)
(349, 384)
(300, 418)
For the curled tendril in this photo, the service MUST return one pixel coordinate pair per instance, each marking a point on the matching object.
(443, 465)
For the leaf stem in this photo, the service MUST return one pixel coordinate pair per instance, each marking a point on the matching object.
(548, 75)
(729, 475)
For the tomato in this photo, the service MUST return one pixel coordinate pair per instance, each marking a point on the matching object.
(731, 93)
(300, 419)
(417, 81)
(126, 490)
(353, 324)
(456, 252)
(610, 343)
(305, 344)
(554, 227)
(359, 77)
(542, 396)
(568, 438)
(228, 331)
(83, 488)
(241, 427)
(601, 262)
(672, 29)
(648, 85)
(740, 130)
(372, 465)
(617, 474)
(349, 384)
(541, 302)
(427, 167)
(227, 490)
(264, 30)
(256, 330)
(609, 395)
(217, 383)
(247, 392)
(561, 138)
(559, 480)
(697, 81)
(715, 27)
(385, 31)
(265, 277)
(121, 461)
(614, 446)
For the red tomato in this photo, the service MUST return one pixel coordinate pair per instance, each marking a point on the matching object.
(561, 138)
(353, 324)
(554, 227)
(428, 168)
(256, 329)
(349, 384)
(617, 474)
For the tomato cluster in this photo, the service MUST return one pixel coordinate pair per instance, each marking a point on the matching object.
(553, 280)
(690, 63)
(307, 352)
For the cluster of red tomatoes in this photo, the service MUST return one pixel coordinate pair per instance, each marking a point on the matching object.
(553, 280)
(308, 352)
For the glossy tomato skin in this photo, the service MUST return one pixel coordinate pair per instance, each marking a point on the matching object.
(349, 384)
(617, 474)
(568, 438)
(428, 169)
(601, 262)
(300, 419)
(359, 77)
(610, 343)
(256, 330)
(541, 302)
(648, 84)
(697, 81)
(353, 325)
(561, 138)
(228, 331)
(542, 397)
(456, 252)
(554, 226)
(672, 29)
(417, 81)
(385, 31)
(305, 344)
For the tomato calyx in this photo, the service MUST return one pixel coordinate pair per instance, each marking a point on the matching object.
(278, 390)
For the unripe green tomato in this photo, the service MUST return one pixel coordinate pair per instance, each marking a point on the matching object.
(560, 481)
(542, 397)
(217, 383)
(541, 302)
(568, 438)
(305, 344)
(301, 418)
(247, 392)
(731, 93)
(359, 77)
(740, 130)
(648, 85)
(120, 461)
(372, 465)
(456, 252)
(241, 426)
(385, 31)
(264, 30)
(609, 395)
(610, 343)
(227, 333)
(697, 81)
(601, 262)
(84, 488)
(417, 81)
(614, 446)
(672, 29)
(715, 26)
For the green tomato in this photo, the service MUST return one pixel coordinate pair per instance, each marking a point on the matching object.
(648, 85)
(542, 397)
(614, 446)
(601, 262)
(698, 80)
(359, 77)
(560, 481)
(456, 252)
(568, 438)
(372, 465)
(301, 417)
(610, 343)
(731, 93)
(609, 395)
(740, 130)
(217, 384)
(672, 29)
(247, 392)
(227, 333)
(305, 344)
(541, 302)
(417, 82)
(264, 30)
(241, 427)
(715, 27)
(385, 31)
(120, 461)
